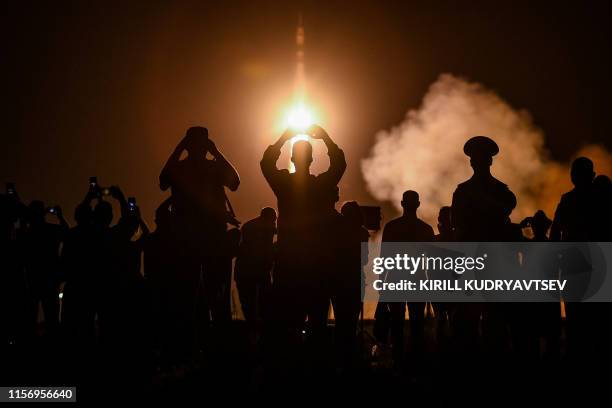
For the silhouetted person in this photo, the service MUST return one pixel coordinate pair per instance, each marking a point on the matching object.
(305, 206)
(253, 271)
(407, 228)
(446, 233)
(481, 205)
(575, 215)
(14, 302)
(200, 213)
(122, 299)
(42, 256)
(346, 278)
(576, 220)
(480, 212)
(129, 237)
(102, 269)
(602, 188)
(78, 258)
(542, 318)
(160, 261)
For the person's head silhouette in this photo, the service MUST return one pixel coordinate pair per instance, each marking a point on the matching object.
(196, 141)
(352, 212)
(444, 220)
(540, 224)
(103, 214)
(582, 173)
(301, 156)
(268, 214)
(37, 212)
(410, 202)
(602, 184)
(82, 214)
(481, 150)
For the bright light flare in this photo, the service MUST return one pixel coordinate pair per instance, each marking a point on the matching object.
(300, 118)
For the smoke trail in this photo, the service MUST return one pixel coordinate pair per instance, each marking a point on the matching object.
(425, 151)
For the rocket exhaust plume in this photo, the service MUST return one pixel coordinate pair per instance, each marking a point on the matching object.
(425, 151)
(299, 117)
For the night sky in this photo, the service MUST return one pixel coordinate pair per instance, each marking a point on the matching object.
(108, 89)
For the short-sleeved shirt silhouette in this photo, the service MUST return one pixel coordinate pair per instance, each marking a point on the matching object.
(303, 201)
(406, 229)
(575, 215)
(257, 239)
(42, 252)
(481, 207)
(198, 190)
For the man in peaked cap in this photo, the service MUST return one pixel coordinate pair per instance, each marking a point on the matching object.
(480, 212)
(482, 205)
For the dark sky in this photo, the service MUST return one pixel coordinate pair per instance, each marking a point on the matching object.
(108, 88)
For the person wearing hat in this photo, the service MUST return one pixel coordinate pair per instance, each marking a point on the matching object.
(480, 211)
(482, 205)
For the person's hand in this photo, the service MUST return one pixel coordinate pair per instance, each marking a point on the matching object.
(316, 132)
(210, 146)
(287, 134)
(233, 221)
(526, 222)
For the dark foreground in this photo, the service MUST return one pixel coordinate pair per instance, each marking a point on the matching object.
(231, 367)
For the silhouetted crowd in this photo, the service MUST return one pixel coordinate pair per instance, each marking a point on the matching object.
(149, 302)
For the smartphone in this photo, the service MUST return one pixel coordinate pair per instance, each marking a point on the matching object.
(132, 203)
(93, 182)
(371, 217)
(10, 188)
(51, 210)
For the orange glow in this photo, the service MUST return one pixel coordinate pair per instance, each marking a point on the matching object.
(299, 118)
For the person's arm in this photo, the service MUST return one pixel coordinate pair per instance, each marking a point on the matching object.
(555, 229)
(89, 197)
(365, 255)
(270, 157)
(145, 228)
(337, 161)
(456, 211)
(146, 232)
(231, 179)
(165, 177)
(62, 221)
(431, 236)
(387, 236)
(118, 195)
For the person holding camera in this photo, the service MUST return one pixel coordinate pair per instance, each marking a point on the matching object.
(306, 209)
(201, 213)
(42, 243)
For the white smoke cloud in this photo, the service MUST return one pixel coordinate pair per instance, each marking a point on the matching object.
(425, 152)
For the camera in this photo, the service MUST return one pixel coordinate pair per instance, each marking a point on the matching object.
(52, 210)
